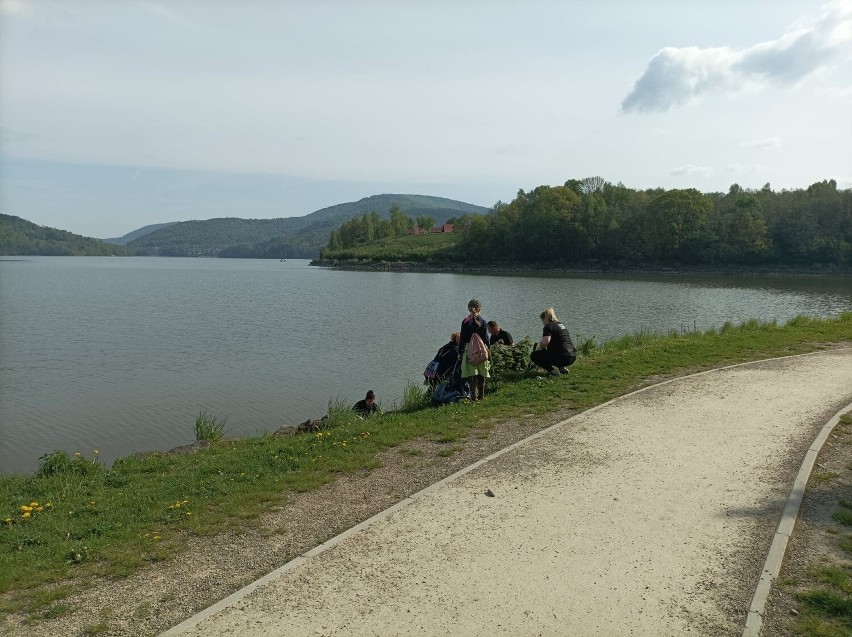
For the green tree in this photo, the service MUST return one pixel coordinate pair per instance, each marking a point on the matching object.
(673, 223)
(400, 222)
(425, 222)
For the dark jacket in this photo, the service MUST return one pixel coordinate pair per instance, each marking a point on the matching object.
(468, 329)
(446, 358)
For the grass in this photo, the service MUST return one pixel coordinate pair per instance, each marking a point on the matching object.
(825, 594)
(209, 427)
(88, 520)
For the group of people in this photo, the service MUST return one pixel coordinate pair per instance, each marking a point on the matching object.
(554, 353)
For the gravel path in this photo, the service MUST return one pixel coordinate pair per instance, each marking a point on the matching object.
(648, 516)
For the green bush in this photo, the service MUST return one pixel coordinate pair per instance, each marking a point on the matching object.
(512, 360)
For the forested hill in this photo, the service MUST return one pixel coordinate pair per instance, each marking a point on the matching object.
(140, 232)
(19, 237)
(297, 237)
(593, 222)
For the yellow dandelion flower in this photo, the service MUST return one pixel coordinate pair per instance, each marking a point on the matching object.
(26, 514)
(8, 520)
(24, 507)
(39, 508)
(47, 505)
(33, 504)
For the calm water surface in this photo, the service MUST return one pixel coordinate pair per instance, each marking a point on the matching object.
(120, 354)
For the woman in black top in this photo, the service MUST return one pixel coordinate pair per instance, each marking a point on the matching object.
(555, 349)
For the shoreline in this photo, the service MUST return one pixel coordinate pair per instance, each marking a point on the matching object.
(557, 270)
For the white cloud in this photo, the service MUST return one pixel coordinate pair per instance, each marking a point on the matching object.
(676, 75)
(691, 170)
(739, 168)
(763, 144)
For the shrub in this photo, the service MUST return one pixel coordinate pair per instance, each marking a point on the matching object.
(512, 360)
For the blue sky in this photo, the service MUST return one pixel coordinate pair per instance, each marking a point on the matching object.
(114, 115)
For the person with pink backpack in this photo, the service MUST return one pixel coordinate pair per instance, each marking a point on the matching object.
(473, 350)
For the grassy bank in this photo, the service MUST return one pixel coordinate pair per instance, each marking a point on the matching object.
(818, 587)
(77, 519)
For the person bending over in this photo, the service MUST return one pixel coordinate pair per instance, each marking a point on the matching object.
(556, 351)
(498, 335)
(368, 406)
(443, 362)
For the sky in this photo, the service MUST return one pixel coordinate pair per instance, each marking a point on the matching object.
(123, 113)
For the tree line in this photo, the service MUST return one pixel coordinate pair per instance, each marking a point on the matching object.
(592, 220)
(371, 227)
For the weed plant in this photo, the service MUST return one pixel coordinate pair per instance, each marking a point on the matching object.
(209, 427)
(75, 518)
(414, 398)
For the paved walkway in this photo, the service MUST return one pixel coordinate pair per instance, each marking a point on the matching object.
(651, 516)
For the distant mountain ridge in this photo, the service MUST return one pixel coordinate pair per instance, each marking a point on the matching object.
(130, 236)
(298, 237)
(19, 237)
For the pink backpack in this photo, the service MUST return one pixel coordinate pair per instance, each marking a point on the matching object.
(477, 352)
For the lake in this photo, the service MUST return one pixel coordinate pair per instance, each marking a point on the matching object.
(121, 354)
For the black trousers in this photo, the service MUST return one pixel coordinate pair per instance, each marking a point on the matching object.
(548, 360)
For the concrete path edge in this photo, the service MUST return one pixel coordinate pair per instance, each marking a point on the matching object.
(778, 548)
(295, 562)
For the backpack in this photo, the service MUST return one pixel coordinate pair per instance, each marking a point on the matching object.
(432, 370)
(477, 352)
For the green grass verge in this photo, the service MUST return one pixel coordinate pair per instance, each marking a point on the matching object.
(85, 519)
(826, 593)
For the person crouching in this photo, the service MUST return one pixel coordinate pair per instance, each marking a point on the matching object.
(556, 351)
